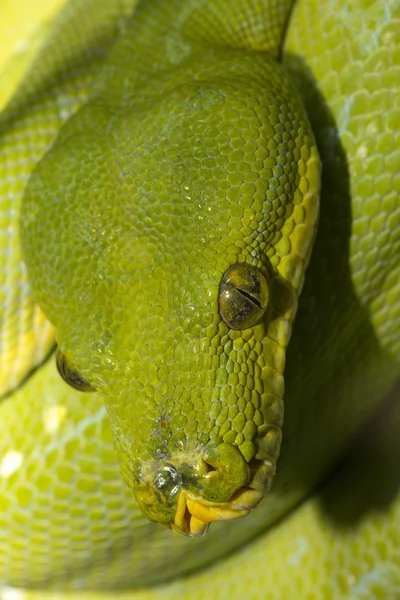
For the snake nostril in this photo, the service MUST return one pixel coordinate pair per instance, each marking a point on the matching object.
(209, 468)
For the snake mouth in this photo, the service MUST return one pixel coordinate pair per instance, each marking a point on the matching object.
(194, 514)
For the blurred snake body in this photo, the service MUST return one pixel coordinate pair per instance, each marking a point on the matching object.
(165, 223)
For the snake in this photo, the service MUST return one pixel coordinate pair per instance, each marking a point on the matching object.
(200, 302)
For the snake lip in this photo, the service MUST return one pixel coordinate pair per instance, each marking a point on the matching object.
(194, 513)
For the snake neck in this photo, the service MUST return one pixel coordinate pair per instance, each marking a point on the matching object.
(164, 33)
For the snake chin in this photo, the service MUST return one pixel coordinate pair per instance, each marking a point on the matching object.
(194, 514)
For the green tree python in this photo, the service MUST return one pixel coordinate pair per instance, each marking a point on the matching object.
(165, 223)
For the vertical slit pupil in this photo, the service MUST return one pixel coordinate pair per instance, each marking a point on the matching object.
(250, 297)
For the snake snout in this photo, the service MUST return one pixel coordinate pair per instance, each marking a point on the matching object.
(187, 493)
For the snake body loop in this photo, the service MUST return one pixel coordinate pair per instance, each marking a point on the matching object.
(160, 174)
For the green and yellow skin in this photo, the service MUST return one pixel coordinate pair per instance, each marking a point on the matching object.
(202, 166)
(160, 201)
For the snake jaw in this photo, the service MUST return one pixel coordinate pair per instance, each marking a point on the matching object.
(194, 514)
(186, 523)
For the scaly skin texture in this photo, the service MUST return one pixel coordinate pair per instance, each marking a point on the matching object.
(342, 360)
(204, 159)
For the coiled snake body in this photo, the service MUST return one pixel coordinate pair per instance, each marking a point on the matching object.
(159, 191)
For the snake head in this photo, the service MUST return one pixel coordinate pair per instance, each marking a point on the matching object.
(166, 236)
(187, 495)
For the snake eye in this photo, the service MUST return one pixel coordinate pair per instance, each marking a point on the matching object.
(243, 296)
(168, 481)
(71, 376)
